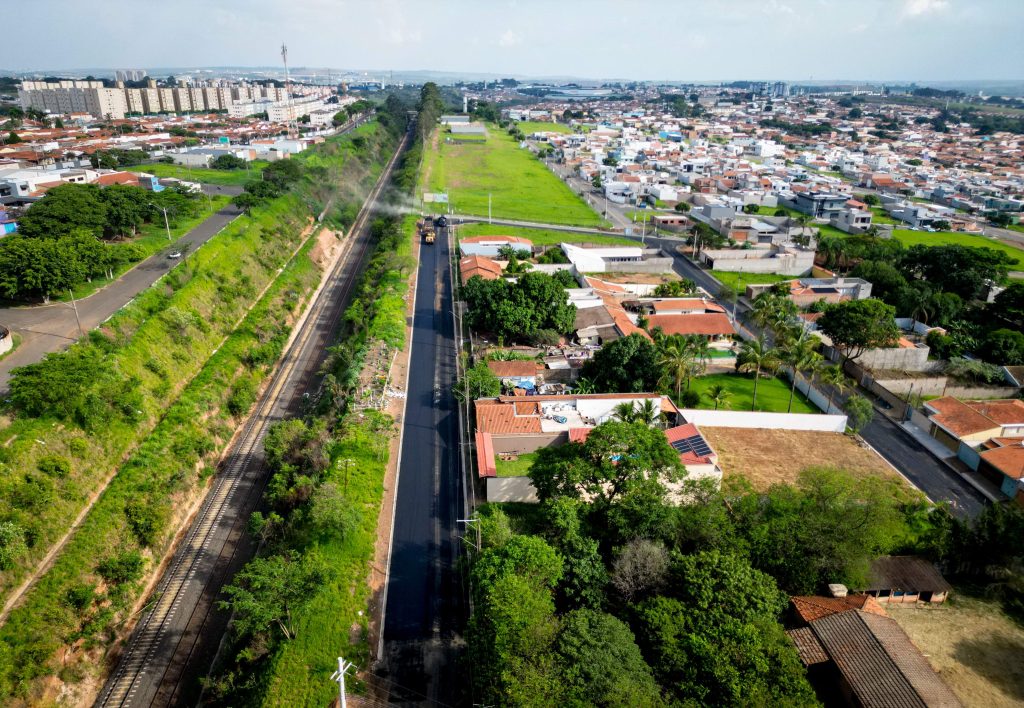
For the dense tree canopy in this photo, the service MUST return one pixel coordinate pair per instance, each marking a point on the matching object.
(855, 326)
(626, 365)
(521, 310)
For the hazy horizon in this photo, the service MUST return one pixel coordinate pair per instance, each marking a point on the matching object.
(652, 40)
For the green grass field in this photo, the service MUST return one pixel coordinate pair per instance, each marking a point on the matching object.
(740, 281)
(911, 238)
(519, 185)
(515, 468)
(531, 126)
(540, 237)
(881, 216)
(772, 394)
(204, 174)
(770, 211)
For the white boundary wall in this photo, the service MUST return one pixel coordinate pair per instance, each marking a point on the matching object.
(770, 421)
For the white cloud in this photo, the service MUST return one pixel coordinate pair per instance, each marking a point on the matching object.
(916, 8)
(509, 39)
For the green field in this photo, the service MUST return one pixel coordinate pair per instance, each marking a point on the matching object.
(204, 174)
(910, 238)
(881, 216)
(532, 126)
(515, 468)
(540, 237)
(770, 211)
(772, 394)
(519, 185)
(740, 281)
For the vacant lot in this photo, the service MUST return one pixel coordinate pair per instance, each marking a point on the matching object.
(911, 238)
(540, 237)
(772, 393)
(519, 186)
(204, 174)
(740, 281)
(973, 645)
(767, 457)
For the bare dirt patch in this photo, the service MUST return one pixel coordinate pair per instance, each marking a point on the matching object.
(973, 645)
(767, 457)
(645, 278)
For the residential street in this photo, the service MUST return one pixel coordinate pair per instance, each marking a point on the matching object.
(50, 328)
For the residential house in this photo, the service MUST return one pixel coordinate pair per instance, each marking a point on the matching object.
(818, 205)
(806, 291)
(471, 266)
(589, 258)
(491, 245)
(900, 579)
(856, 655)
(781, 259)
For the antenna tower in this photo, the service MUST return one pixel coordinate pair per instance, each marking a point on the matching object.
(293, 128)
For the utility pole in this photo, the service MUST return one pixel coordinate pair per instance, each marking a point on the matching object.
(473, 523)
(74, 306)
(167, 224)
(339, 677)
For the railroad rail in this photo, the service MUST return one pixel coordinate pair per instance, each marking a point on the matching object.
(163, 644)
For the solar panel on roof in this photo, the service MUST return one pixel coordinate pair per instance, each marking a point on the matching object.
(695, 444)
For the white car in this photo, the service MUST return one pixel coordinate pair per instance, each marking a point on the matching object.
(174, 255)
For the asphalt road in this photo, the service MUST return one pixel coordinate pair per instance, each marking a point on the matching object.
(424, 609)
(50, 328)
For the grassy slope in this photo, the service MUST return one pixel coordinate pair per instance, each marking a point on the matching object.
(520, 186)
(539, 236)
(204, 174)
(772, 394)
(217, 283)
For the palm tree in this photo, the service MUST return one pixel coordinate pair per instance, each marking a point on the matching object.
(632, 412)
(718, 394)
(836, 380)
(762, 313)
(677, 361)
(801, 355)
(701, 350)
(756, 356)
(728, 296)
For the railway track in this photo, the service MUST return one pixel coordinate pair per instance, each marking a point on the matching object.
(177, 632)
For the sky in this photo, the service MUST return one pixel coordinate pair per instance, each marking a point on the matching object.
(679, 40)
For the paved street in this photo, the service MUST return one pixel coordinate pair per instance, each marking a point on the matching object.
(50, 328)
(424, 608)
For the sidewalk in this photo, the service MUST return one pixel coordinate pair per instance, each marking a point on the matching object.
(948, 457)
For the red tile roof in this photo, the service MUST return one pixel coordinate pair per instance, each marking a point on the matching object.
(513, 369)
(686, 304)
(478, 265)
(485, 455)
(812, 607)
(710, 324)
(962, 418)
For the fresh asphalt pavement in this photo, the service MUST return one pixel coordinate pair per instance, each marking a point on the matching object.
(49, 328)
(424, 598)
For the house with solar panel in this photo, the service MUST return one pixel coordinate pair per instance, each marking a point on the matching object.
(513, 428)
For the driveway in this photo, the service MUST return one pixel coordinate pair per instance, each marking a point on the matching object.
(49, 328)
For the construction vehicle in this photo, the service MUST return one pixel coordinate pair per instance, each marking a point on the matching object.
(426, 229)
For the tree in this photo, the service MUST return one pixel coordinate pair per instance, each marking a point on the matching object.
(246, 201)
(1004, 347)
(715, 640)
(677, 360)
(682, 207)
(13, 138)
(855, 326)
(645, 413)
(626, 365)
(332, 512)
(601, 665)
(859, 412)
(963, 270)
(801, 354)
(268, 590)
(517, 311)
(616, 460)
(718, 394)
(65, 209)
(478, 382)
(228, 162)
(127, 209)
(751, 208)
(639, 569)
(1010, 302)
(870, 199)
(835, 379)
(772, 311)
(756, 356)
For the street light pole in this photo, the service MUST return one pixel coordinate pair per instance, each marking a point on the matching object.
(74, 306)
(167, 224)
(339, 677)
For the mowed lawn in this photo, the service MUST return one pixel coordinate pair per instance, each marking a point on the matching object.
(533, 126)
(909, 237)
(519, 467)
(539, 237)
(740, 281)
(519, 185)
(204, 174)
(772, 393)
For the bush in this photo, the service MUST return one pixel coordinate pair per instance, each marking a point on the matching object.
(145, 520)
(54, 466)
(243, 395)
(125, 567)
(12, 543)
